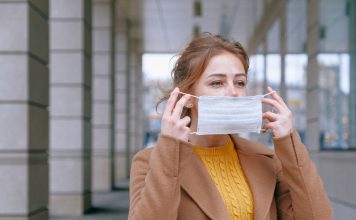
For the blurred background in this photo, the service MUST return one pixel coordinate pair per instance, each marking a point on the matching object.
(80, 80)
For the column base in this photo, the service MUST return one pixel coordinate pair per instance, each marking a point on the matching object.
(101, 174)
(69, 204)
(120, 166)
(38, 215)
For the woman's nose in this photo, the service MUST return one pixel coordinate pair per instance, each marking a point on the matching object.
(232, 90)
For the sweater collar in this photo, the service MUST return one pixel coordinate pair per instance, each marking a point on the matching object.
(223, 150)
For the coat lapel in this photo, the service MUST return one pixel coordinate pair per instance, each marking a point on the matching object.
(196, 181)
(258, 165)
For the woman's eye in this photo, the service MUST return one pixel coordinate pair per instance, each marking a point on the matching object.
(216, 83)
(240, 83)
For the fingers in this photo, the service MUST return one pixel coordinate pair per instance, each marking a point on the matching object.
(269, 126)
(277, 102)
(172, 123)
(281, 122)
(273, 103)
(276, 97)
(177, 111)
(270, 116)
(171, 103)
(183, 122)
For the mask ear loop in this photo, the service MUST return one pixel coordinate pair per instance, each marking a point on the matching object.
(198, 96)
(269, 93)
(189, 94)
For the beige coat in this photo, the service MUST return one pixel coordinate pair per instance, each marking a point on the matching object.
(170, 181)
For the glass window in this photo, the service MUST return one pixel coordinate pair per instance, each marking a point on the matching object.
(334, 100)
(156, 70)
(255, 74)
(273, 71)
(296, 65)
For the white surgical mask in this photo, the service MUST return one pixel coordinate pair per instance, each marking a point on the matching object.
(229, 115)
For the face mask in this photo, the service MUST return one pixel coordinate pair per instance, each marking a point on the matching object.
(229, 115)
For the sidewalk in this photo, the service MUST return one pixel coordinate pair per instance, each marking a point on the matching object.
(107, 206)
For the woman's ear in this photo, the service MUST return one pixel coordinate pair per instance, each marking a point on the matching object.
(189, 104)
(192, 100)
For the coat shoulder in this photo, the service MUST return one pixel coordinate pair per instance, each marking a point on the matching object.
(142, 154)
(252, 147)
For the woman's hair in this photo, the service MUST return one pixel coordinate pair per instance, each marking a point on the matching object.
(194, 59)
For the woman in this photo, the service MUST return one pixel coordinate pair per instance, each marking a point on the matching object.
(190, 176)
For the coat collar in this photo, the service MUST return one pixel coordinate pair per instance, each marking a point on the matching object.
(251, 147)
(258, 167)
(196, 181)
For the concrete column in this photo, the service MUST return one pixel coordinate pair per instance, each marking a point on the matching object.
(102, 95)
(140, 106)
(283, 49)
(312, 96)
(265, 53)
(136, 87)
(129, 89)
(24, 83)
(71, 71)
(271, 11)
(352, 96)
(129, 98)
(136, 111)
(121, 92)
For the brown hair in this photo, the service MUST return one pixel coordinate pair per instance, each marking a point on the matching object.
(195, 57)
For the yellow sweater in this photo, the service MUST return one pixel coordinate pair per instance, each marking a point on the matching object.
(224, 168)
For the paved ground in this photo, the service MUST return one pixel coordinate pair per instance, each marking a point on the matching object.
(107, 206)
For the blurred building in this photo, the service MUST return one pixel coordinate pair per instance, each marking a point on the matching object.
(334, 114)
(154, 90)
(75, 106)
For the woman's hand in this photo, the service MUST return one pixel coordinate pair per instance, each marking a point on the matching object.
(281, 122)
(172, 123)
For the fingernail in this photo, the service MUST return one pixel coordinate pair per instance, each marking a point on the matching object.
(174, 90)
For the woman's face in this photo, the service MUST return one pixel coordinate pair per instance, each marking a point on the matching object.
(224, 76)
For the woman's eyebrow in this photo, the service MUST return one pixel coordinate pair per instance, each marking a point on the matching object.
(240, 74)
(224, 75)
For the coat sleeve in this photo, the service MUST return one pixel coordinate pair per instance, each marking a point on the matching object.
(154, 180)
(300, 192)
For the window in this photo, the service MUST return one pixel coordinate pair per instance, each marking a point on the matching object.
(334, 95)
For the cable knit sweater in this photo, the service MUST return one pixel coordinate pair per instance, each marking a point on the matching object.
(224, 167)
